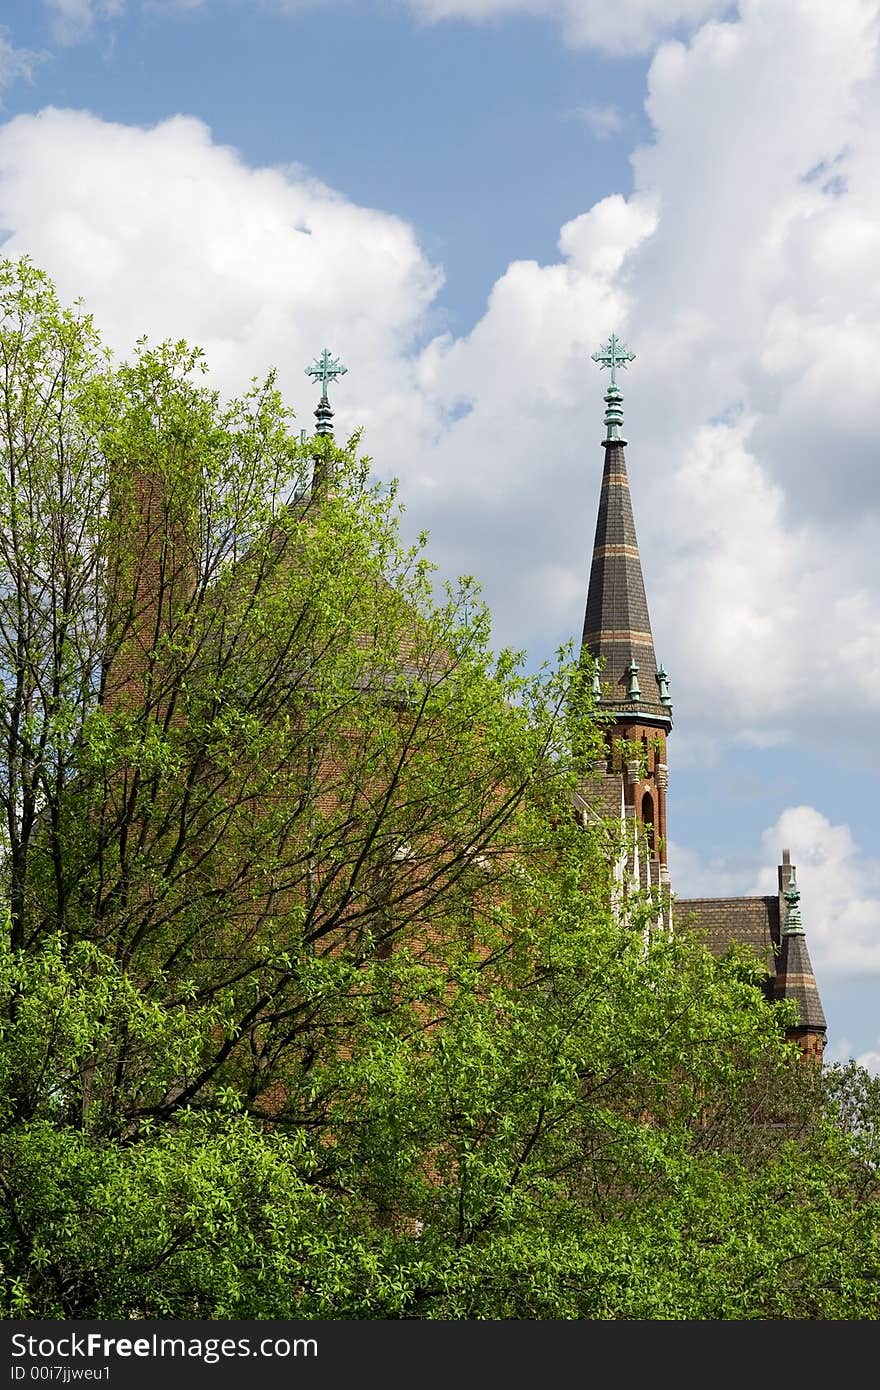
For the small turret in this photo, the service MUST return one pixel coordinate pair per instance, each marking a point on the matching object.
(794, 971)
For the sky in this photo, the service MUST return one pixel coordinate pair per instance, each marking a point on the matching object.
(463, 199)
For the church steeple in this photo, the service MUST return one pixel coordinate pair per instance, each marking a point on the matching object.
(627, 681)
(617, 628)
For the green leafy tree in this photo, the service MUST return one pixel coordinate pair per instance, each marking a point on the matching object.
(312, 1001)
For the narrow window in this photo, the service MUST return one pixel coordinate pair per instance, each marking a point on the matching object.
(648, 821)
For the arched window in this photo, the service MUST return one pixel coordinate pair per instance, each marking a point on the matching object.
(648, 822)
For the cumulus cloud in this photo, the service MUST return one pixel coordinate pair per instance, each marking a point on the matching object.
(840, 890)
(752, 298)
(165, 233)
(504, 478)
(781, 611)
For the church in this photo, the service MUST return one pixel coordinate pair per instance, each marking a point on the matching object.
(627, 789)
(632, 691)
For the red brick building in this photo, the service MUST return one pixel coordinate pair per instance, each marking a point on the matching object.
(628, 788)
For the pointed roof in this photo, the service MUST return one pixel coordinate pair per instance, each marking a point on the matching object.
(617, 628)
(794, 971)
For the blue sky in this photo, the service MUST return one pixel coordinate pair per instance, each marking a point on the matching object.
(463, 198)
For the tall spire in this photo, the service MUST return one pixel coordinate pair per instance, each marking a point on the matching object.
(617, 628)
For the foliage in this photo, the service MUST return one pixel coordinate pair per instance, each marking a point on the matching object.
(312, 1002)
(630, 753)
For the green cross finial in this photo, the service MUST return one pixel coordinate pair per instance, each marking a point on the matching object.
(325, 370)
(614, 354)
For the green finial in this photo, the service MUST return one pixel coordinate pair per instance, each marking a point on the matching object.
(663, 683)
(632, 671)
(793, 924)
(325, 369)
(613, 355)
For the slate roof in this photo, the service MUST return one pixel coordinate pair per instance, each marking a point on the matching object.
(756, 922)
(602, 793)
(616, 624)
(752, 921)
(795, 980)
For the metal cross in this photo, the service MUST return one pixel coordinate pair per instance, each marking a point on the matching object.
(326, 369)
(613, 355)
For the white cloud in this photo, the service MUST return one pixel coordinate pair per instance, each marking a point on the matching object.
(839, 883)
(625, 26)
(15, 62)
(165, 233)
(752, 297)
(71, 21)
(190, 4)
(840, 890)
(603, 121)
(773, 611)
(504, 480)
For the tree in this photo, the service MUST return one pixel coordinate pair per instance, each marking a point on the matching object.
(313, 1002)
